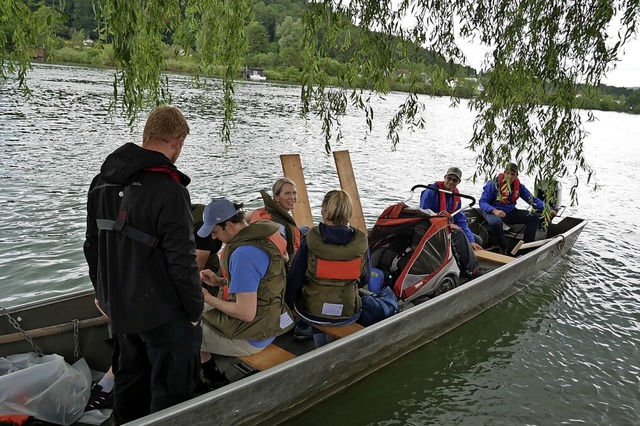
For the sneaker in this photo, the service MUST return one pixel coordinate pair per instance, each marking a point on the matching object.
(302, 333)
(99, 399)
(205, 385)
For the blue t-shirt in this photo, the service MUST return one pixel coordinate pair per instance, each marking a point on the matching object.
(247, 266)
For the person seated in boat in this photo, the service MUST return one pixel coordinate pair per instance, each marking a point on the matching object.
(446, 202)
(498, 205)
(278, 209)
(250, 311)
(329, 268)
(207, 248)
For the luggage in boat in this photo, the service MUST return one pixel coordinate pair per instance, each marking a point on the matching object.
(414, 251)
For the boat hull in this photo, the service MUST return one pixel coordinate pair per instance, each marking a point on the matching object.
(289, 389)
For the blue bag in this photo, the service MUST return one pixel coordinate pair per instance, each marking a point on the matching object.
(378, 306)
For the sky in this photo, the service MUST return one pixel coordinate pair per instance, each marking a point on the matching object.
(626, 73)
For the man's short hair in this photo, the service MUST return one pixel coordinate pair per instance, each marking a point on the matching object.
(165, 123)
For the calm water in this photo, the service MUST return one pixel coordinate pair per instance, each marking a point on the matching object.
(562, 351)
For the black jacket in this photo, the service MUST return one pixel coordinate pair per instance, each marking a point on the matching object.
(138, 286)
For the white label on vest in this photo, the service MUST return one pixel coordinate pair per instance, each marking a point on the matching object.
(285, 321)
(332, 309)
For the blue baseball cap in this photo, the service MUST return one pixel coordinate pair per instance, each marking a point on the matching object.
(218, 211)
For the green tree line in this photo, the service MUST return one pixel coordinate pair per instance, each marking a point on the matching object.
(275, 35)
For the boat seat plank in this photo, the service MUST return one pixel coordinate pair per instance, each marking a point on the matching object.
(490, 256)
(339, 332)
(270, 356)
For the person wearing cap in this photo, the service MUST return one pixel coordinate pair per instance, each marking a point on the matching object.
(141, 255)
(444, 200)
(498, 205)
(250, 311)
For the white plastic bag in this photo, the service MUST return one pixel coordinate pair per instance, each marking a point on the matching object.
(46, 388)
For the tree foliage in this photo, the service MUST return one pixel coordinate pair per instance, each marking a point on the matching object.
(541, 53)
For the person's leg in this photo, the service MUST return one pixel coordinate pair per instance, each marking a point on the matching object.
(215, 343)
(466, 256)
(529, 218)
(131, 368)
(174, 354)
(496, 228)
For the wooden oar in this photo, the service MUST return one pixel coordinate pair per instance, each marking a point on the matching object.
(53, 329)
(348, 185)
(522, 245)
(292, 168)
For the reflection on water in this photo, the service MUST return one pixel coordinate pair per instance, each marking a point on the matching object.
(561, 351)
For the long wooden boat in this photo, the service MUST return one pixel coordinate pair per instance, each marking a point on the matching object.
(70, 325)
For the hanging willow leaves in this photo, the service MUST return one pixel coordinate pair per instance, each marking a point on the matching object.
(539, 52)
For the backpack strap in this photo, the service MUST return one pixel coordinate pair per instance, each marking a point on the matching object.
(119, 225)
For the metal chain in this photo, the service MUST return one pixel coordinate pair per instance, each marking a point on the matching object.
(76, 340)
(27, 336)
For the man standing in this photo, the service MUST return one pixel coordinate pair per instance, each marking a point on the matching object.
(141, 254)
(498, 204)
(445, 200)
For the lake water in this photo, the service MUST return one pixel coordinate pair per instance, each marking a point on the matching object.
(562, 351)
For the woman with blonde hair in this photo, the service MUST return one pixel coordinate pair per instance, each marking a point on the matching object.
(330, 266)
(278, 208)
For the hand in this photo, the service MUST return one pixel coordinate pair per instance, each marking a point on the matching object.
(210, 278)
(445, 213)
(476, 247)
(553, 213)
(454, 226)
(499, 213)
(208, 298)
(99, 308)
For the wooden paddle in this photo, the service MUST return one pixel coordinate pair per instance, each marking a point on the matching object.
(348, 185)
(292, 168)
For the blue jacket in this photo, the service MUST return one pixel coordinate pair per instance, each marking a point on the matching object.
(489, 198)
(430, 199)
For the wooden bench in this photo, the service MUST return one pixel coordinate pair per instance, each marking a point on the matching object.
(339, 332)
(270, 356)
(490, 256)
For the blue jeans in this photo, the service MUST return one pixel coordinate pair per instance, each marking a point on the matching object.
(155, 369)
(515, 216)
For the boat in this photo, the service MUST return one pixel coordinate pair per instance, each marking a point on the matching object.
(71, 326)
(254, 74)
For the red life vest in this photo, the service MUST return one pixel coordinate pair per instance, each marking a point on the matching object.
(443, 198)
(508, 194)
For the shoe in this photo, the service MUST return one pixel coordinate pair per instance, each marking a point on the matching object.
(302, 333)
(212, 377)
(478, 272)
(99, 399)
(205, 385)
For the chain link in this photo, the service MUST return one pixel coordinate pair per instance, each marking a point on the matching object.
(76, 340)
(27, 336)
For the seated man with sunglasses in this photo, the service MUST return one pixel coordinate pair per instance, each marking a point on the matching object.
(445, 201)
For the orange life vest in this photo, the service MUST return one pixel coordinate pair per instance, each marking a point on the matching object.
(508, 194)
(443, 199)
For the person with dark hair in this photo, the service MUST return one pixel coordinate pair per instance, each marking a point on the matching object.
(250, 311)
(444, 200)
(498, 205)
(141, 255)
(329, 268)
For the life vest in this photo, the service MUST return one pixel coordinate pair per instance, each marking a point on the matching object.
(443, 198)
(330, 288)
(507, 194)
(274, 211)
(270, 292)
